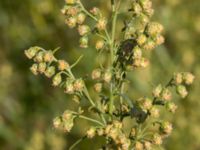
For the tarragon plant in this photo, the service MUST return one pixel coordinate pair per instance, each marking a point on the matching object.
(125, 51)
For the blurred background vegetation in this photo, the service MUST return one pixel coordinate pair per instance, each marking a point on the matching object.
(28, 103)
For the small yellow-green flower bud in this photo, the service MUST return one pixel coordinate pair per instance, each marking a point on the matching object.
(79, 85)
(42, 67)
(81, 18)
(159, 40)
(107, 76)
(39, 57)
(99, 44)
(98, 87)
(137, 52)
(182, 91)
(154, 28)
(96, 74)
(157, 91)
(157, 139)
(147, 145)
(149, 45)
(63, 65)
(166, 94)
(69, 87)
(68, 125)
(84, 42)
(57, 79)
(91, 132)
(178, 78)
(133, 132)
(83, 29)
(166, 127)
(101, 24)
(71, 22)
(141, 39)
(188, 78)
(144, 62)
(137, 8)
(155, 113)
(72, 11)
(100, 132)
(139, 146)
(34, 69)
(31, 52)
(171, 107)
(50, 71)
(57, 122)
(48, 56)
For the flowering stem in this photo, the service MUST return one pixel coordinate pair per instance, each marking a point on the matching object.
(90, 119)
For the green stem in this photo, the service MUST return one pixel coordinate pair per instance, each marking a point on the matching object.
(90, 119)
(76, 143)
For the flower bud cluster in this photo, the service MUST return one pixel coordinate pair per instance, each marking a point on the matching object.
(76, 16)
(47, 64)
(65, 122)
(181, 81)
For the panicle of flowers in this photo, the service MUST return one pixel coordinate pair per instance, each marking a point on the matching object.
(112, 103)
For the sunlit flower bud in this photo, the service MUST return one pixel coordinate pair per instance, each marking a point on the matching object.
(63, 65)
(147, 145)
(100, 132)
(57, 122)
(155, 113)
(166, 94)
(91, 132)
(68, 125)
(154, 28)
(83, 29)
(137, 62)
(34, 69)
(79, 85)
(57, 79)
(98, 87)
(39, 57)
(159, 40)
(99, 44)
(70, 1)
(67, 115)
(42, 67)
(31, 52)
(81, 18)
(95, 11)
(107, 76)
(71, 22)
(182, 91)
(141, 39)
(72, 11)
(139, 146)
(137, 52)
(188, 78)
(50, 71)
(149, 45)
(117, 124)
(133, 132)
(178, 78)
(84, 42)
(171, 107)
(69, 88)
(147, 104)
(48, 56)
(166, 127)
(136, 8)
(96, 74)
(144, 62)
(157, 139)
(157, 91)
(101, 24)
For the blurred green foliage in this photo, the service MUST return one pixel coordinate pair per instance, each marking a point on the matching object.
(28, 104)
